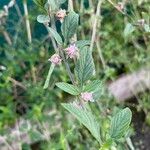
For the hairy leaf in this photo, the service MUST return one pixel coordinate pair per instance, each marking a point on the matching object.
(120, 123)
(84, 68)
(93, 86)
(69, 88)
(85, 117)
(55, 35)
(69, 26)
(82, 43)
(43, 19)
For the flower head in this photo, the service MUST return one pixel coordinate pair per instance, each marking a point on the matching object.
(87, 96)
(55, 59)
(61, 14)
(72, 51)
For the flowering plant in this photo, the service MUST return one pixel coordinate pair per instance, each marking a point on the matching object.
(82, 87)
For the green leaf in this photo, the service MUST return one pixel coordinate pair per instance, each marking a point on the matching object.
(85, 117)
(55, 35)
(69, 88)
(107, 145)
(43, 19)
(95, 87)
(84, 68)
(69, 25)
(120, 123)
(82, 43)
(147, 28)
(49, 76)
(128, 29)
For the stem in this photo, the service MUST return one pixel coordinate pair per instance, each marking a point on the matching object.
(27, 21)
(49, 76)
(95, 25)
(67, 67)
(7, 37)
(100, 54)
(62, 55)
(130, 144)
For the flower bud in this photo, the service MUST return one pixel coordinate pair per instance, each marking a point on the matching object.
(72, 51)
(87, 96)
(55, 59)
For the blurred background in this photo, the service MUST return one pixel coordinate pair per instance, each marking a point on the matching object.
(33, 118)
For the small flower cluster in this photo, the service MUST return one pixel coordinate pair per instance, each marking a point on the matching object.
(72, 51)
(55, 59)
(61, 14)
(87, 96)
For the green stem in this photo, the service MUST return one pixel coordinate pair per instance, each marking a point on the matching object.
(49, 76)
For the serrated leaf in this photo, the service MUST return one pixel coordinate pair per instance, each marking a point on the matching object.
(55, 35)
(93, 86)
(85, 117)
(82, 43)
(69, 25)
(43, 19)
(69, 88)
(84, 68)
(128, 29)
(120, 123)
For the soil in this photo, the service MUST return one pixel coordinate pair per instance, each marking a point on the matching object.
(141, 139)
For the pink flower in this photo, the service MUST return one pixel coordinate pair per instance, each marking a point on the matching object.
(55, 59)
(61, 14)
(87, 96)
(72, 51)
(120, 6)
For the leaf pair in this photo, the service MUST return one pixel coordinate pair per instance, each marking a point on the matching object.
(119, 124)
(86, 117)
